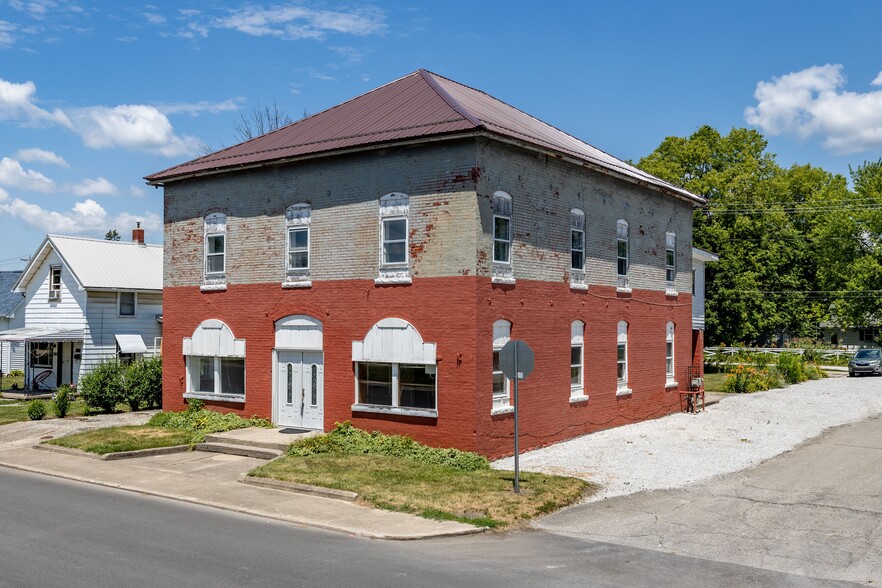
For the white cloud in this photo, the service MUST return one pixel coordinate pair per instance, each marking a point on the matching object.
(4, 195)
(17, 103)
(297, 22)
(137, 191)
(812, 102)
(85, 218)
(197, 108)
(13, 175)
(7, 33)
(154, 19)
(131, 126)
(40, 155)
(92, 187)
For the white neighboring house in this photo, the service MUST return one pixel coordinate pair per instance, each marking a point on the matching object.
(11, 316)
(87, 301)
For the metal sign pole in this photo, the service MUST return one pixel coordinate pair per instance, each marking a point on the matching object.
(517, 456)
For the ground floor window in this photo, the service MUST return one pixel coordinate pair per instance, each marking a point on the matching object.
(217, 375)
(42, 354)
(397, 385)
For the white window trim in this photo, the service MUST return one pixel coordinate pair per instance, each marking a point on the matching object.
(502, 270)
(395, 408)
(577, 339)
(671, 246)
(577, 274)
(501, 404)
(298, 217)
(623, 234)
(394, 206)
(214, 225)
(216, 395)
(119, 305)
(670, 375)
(55, 292)
(622, 388)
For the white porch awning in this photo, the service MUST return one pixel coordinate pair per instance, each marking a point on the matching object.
(43, 334)
(131, 344)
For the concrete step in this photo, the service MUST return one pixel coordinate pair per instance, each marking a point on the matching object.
(228, 439)
(236, 449)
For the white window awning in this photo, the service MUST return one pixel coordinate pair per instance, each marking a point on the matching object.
(130, 344)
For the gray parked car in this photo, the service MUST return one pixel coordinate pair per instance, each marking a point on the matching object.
(866, 361)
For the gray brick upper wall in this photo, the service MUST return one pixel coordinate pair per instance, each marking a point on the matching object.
(544, 189)
(450, 217)
(344, 194)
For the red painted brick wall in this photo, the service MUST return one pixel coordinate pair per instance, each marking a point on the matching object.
(457, 314)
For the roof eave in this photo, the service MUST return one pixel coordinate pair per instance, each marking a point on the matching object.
(680, 194)
(319, 154)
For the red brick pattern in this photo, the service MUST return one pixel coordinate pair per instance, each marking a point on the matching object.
(456, 313)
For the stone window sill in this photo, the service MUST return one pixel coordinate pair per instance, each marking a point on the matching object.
(216, 397)
(502, 410)
(379, 409)
(578, 286)
(582, 398)
(670, 384)
(624, 392)
(213, 287)
(301, 284)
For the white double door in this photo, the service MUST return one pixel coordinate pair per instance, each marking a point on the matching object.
(301, 389)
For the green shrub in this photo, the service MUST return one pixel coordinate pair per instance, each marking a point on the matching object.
(103, 387)
(747, 379)
(36, 410)
(143, 383)
(204, 422)
(790, 367)
(813, 372)
(61, 401)
(348, 439)
(16, 374)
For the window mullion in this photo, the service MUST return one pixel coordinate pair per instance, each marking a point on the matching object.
(395, 384)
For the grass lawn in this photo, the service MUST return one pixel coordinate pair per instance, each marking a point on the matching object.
(13, 411)
(114, 439)
(8, 381)
(714, 382)
(484, 498)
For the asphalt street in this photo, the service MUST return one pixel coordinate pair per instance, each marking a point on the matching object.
(62, 533)
(815, 510)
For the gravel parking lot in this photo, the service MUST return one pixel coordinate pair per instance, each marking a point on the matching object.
(739, 432)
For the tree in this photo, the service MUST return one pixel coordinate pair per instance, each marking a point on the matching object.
(760, 219)
(111, 235)
(261, 120)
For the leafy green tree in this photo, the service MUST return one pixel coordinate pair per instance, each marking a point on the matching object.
(757, 219)
(111, 235)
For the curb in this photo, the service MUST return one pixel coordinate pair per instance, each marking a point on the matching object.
(299, 488)
(113, 456)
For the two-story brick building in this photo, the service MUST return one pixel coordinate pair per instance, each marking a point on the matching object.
(368, 262)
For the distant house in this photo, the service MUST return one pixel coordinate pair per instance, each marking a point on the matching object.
(11, 352)
(369, 262)
(86, 301)
(850, 337)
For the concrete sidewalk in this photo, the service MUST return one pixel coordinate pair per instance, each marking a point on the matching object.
(212, 479)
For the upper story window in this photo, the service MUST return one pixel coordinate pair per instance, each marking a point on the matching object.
(577, 355)
(125, 303)
(622, 254)
(669, 353)
(622, 359)
(577, 239)
(502, 238)
(501, 384)
(670, 259)
(297, 246)
(394, 246)
(577, 249)
(55, 282)
(215, 266)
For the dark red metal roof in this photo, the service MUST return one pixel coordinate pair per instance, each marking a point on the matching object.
(421, 104)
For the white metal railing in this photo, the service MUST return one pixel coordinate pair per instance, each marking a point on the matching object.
(721, 353)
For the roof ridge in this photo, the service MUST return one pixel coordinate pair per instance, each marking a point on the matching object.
(446, 97)
(97, 240)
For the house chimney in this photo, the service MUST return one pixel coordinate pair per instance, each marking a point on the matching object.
(138, 234)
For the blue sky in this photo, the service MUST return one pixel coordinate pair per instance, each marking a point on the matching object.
(96, 95)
